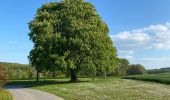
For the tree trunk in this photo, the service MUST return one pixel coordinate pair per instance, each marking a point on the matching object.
(105, 74)
(44, 75)
(37, 78)
(73, 75)
(93, 76)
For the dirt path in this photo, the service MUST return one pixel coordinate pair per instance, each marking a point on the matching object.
(20, 93)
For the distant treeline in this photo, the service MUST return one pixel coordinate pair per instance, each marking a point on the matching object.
(161, 70)
(26, 71)
(18, 71)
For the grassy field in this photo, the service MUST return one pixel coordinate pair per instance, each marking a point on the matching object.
(159, 77)
(107, 89)
(101, 89)
(5, 95)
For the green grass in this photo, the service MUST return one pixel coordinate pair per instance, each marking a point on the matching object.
(101, 89)
(159, 77)
(107, 89)
(5, 95)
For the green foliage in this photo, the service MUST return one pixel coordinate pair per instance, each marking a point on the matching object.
(70, 35)
(18, 71)
(136, 69)
(159, 77)
(5, 95)
(25, 71)
(122, 68)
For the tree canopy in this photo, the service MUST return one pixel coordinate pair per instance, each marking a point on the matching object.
(70, 35)
(136, 69)
(123, 65)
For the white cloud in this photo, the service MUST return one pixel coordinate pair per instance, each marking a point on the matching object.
(126, 54)
(128, 57)
(156, 28)
(131, 36)
(13, 42)
(154, 59)
(130, 52)
(145, 45)
(151, 37)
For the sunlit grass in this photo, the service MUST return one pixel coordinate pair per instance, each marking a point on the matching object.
(5, 95)
(107, 89)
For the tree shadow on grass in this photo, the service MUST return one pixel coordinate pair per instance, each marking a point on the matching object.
(15, 84)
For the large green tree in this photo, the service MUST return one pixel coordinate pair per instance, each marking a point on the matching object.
(70, 35)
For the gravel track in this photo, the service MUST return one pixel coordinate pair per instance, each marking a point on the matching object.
(21, 93)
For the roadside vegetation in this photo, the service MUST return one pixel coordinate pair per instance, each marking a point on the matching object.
(5, 95)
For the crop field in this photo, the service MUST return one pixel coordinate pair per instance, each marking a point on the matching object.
(159, 77)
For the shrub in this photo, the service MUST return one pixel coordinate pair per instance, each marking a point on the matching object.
(136, 69)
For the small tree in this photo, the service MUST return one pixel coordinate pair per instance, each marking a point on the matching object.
(136, 69)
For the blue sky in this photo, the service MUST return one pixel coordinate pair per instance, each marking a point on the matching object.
(140, 29)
